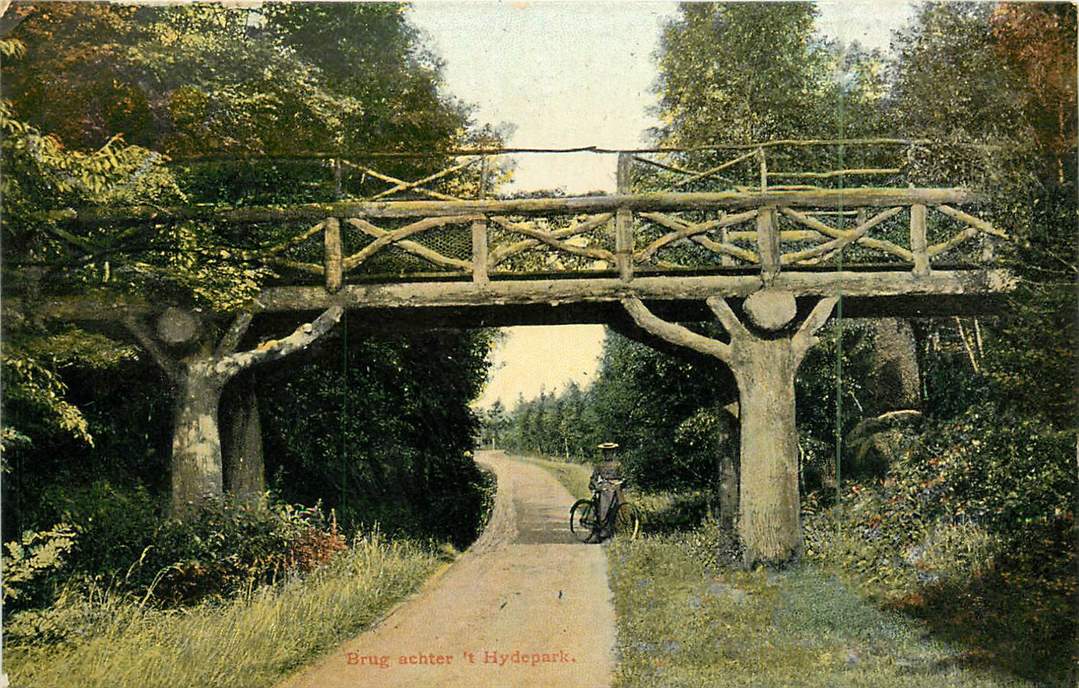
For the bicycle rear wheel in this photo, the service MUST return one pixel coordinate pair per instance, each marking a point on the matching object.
(582, 520)
(627, 523)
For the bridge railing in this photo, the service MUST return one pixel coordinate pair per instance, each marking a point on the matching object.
(476, 173)
(764, 228)
(631, 234)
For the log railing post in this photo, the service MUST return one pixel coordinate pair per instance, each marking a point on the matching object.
(768, 243)
(623, 220)
(725, 259)
(987, 255)
(764, 169)
(334, 258)
(479, 251)
(918, 243)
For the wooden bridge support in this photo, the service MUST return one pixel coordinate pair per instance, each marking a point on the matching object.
(769, 519)
(198, 379)
(241, 440)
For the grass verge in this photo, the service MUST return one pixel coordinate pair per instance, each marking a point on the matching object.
(246, 643)
(684, 622)
(573, 476)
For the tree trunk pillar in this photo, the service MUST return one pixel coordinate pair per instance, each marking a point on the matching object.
(728, 469)
(769, 523)
(769, 519)
(196, 446)
(245, 473)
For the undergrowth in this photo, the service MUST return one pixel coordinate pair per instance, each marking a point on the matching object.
(684, 621)
(116, 640)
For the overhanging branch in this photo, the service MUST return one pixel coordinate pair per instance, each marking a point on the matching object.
(675, 334)
(275, 349)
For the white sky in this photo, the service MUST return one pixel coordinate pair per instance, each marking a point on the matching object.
(571, 74)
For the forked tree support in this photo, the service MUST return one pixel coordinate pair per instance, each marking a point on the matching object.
(764, 366)
(199, 378)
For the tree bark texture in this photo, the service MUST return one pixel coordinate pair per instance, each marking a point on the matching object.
(728, 473)
(245, 473)
(769, 522)
(769, 519)
(199, 380)
(196, 443)
(894, 377)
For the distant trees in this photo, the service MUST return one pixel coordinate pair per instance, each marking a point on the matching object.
(667, 440)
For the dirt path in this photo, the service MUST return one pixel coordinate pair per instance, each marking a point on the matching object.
(525, 586)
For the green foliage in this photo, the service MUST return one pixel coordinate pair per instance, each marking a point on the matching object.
(187, 82)
(949, 46)
(670, 512)
(30, 561)
(34, 393)
(40, 394)
(42, 173)
(639, 400)
(973, 531)
(1008, 480)
(743, 73)
(115, 523)
(386, 434)
(751, 71)
(230, 547)
(831, 381)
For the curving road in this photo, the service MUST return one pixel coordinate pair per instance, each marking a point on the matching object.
(526, 605)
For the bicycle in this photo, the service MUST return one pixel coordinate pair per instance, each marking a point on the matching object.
(588, 524)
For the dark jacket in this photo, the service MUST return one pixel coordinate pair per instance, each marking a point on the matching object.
(607, 470)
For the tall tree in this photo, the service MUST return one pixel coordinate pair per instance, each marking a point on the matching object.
(740, 73)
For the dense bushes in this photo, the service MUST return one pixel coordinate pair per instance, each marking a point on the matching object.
(996, 490)
(973, 530)
(229, 547)
(115, 522)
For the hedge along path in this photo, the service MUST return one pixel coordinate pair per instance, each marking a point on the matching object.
(526, 585)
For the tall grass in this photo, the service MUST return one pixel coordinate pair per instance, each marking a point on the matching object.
(682, 621)
(248, 642)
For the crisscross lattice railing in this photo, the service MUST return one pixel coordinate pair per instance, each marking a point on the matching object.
(744, 229)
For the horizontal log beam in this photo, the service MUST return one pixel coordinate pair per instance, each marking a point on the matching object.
(726, 200)
(607, 289)
(506, 302)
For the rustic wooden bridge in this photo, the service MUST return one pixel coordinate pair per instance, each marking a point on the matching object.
(768, 261)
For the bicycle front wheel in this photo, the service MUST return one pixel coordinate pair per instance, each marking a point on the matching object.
(627, 523)
(582, 520)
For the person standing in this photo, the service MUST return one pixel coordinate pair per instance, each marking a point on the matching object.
(607, 480)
